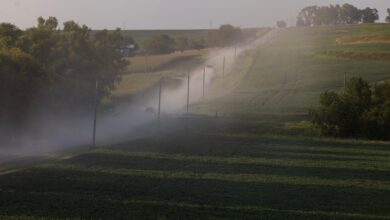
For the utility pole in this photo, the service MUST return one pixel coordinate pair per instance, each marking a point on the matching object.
(146, 64)
(188, 91)
(223, 67)
(159, 100)
(95, 114)
(345, 82)
(204, 80)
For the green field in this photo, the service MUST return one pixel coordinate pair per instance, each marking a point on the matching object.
(289, 74)
(140, 36)
(145, 71)
(259, 159)
(198, 176)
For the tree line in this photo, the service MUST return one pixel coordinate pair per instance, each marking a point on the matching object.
(165, 44)
(225, 36)
(48, 69)
(337, 14)
(362, 111)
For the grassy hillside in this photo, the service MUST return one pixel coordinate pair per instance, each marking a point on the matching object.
(289, 74)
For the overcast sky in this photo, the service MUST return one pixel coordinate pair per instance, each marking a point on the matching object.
(166, 14)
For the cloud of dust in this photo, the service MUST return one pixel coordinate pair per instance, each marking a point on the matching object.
(70, 132)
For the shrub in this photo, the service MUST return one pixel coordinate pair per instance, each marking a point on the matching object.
(358, 112)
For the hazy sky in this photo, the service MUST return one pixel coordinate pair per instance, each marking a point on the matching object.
(165, 14)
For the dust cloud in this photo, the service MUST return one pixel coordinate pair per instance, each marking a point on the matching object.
(53, 135)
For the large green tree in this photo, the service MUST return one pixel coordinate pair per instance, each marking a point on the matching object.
(9, 35)
(307, 15)
(228, 35)
(57, 68)
(350, 14)
(160, 44)
(369, 15)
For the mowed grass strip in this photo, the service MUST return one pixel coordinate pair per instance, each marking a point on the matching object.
(254, 178)
(359, 165)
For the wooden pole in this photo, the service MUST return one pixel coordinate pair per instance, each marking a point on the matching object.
(159, 100)
(146, 64)
(95, 114)
(345, 82)
(223, 67)
(204, 81)
(188, 92)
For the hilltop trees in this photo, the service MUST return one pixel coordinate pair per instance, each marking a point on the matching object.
(9, 34)
(349, 14)
(388, 17)
(361, 111)
(55, 70)
(369, 15)
(226, 36)
(307, 15)
(160, 44)
(336, 14)
(281, 24)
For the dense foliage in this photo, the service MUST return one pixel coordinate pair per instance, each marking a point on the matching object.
(336, 14)
(160, 44)
(226, 36)
(281, 24)
(55, 68)
(361, 111)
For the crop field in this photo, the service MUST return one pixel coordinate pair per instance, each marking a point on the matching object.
(196, 176)
(145, 71)
(245, 152)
